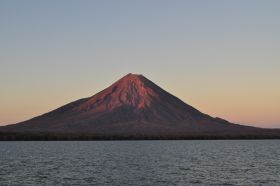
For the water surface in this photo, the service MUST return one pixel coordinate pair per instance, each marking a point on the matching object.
(225, 162)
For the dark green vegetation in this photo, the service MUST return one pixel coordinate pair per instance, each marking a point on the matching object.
(43, 136)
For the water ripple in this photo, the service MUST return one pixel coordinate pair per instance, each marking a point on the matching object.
(228, 162)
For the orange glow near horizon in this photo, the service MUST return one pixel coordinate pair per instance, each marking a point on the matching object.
(239, 106)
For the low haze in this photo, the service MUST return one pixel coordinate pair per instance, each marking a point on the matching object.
(222, 57)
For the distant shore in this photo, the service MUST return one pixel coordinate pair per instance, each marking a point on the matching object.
(15, 136)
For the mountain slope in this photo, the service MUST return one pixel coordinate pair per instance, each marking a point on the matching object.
(132, 106)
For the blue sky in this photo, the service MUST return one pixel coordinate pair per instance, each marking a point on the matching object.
(223, 57)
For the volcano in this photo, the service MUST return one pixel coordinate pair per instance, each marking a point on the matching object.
(133, 106)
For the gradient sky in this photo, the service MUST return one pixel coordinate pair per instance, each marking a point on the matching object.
(222, 57)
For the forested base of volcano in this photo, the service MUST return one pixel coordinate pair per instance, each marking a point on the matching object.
(43, 136)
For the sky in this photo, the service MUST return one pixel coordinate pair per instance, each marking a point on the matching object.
(222, 57)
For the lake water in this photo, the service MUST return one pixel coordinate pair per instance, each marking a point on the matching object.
(228, 162)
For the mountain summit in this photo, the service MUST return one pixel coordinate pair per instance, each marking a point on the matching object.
(132, 106)
(135, 98)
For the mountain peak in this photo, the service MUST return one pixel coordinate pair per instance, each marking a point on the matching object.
(132, 90)
(132, 77)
